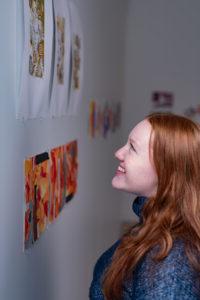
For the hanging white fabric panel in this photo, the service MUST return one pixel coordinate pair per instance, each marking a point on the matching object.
(60, 89)
(34, 90)
(76, 81)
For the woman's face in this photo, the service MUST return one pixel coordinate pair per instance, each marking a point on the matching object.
(136, 173)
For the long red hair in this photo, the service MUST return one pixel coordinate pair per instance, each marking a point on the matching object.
(174, 212)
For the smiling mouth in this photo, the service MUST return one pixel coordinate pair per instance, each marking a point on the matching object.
(120, 170)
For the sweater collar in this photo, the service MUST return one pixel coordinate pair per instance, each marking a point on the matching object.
(138, 204)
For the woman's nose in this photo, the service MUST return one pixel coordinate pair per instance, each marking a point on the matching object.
(119, 154)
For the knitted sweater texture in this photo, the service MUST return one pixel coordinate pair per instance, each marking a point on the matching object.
(170, 279)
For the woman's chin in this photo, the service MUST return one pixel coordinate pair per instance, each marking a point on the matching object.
(115, 184)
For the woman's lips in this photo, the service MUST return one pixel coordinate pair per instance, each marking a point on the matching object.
(120, 171)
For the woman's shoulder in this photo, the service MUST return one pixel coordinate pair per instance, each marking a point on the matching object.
(176, 262)
(105, 259)
(176, 256)
(171, 278)
(100, 266)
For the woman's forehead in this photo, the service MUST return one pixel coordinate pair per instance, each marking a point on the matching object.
(141, 132)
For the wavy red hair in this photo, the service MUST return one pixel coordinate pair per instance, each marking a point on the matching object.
(174, 212)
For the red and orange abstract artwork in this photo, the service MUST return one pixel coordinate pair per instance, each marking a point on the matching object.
(72, 170)
(50, 182)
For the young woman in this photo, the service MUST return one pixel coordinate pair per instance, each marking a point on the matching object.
(159, 258)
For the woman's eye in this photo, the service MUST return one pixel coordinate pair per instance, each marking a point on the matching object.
(131, 147)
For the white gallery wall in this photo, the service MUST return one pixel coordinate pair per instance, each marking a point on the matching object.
(131, 48)
(59, 266)
(162, 54)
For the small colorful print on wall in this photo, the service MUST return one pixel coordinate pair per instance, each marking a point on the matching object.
(162, 100)
(103, 118)
(50, 182)
(193, 112)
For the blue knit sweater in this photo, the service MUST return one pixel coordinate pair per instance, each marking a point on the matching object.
(171, 279)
